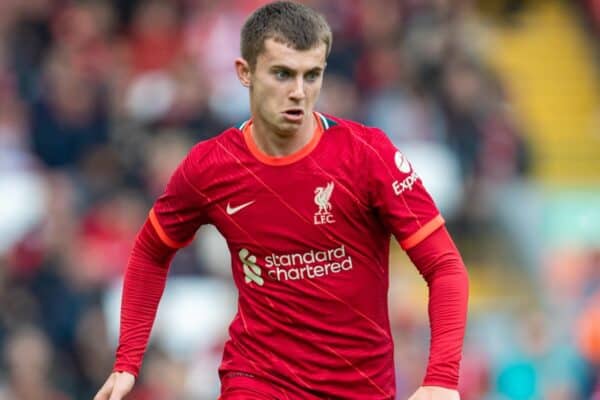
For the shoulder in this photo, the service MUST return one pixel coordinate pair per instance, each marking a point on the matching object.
(207, 159)
(364, 135)
(204, 151)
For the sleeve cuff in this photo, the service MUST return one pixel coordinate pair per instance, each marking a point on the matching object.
(163, 235)
(422, 233)
(446, 384)
(126, 368)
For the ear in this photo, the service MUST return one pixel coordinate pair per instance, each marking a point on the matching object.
(242, 68)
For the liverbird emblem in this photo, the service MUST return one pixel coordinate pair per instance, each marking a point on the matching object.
(322, 196)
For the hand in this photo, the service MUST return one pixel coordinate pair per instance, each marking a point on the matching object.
(434, 393)
(116, 387)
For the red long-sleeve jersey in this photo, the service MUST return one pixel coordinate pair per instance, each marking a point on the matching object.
(309, 239)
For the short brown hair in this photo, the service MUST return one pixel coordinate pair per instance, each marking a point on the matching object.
(287, 22)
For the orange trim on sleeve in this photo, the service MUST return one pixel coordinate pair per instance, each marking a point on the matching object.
(285, 160)
(162, 234)
(422, 233)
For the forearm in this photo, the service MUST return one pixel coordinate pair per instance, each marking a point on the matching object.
(440, 264)
(143, 286)
(447, 314)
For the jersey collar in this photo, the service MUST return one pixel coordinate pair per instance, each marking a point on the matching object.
(322, 125)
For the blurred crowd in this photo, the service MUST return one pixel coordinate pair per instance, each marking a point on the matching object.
(100, 100)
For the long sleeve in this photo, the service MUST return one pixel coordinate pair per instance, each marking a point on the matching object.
(171, 224)
(143, 287)
(401, 200)
(439, 262)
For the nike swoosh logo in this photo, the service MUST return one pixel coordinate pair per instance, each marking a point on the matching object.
(232, 210)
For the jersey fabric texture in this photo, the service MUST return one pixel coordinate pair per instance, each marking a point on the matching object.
(309, 238)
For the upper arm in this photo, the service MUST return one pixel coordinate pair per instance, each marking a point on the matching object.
(178, 213)
(398, 194)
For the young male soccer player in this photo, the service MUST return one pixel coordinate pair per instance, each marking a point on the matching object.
(307, 204)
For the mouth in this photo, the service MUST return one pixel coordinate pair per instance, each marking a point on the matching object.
(294, 114)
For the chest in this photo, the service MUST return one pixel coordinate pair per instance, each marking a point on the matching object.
(301, 203)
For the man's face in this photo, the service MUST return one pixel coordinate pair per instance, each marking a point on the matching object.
(285, 85)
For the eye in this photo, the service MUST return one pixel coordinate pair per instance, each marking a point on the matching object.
(282, 74)
(313, 76)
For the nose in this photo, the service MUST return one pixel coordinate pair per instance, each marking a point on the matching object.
(297, 92)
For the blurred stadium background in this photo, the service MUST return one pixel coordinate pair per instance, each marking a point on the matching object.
(497, 103)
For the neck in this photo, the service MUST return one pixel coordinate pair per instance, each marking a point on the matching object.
(281, 144)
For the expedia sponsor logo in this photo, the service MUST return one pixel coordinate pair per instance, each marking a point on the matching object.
(312, 264)
(402, 162)
(405, 184)
(403, 166)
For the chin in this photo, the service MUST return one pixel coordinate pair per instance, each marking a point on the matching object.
(287, 129)
(288, 126)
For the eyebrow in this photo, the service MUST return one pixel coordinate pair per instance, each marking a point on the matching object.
(288, 69)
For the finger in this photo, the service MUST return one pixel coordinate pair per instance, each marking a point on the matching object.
(416, 396)
(105, 390)
(116, 396)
